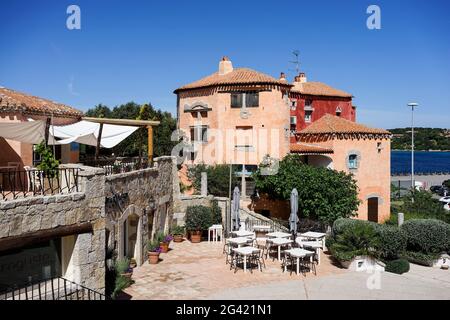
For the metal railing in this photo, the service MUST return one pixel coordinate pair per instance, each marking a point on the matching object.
(431, 173)
(16, 184)
(274, 225)
(119, 165)
(52, 289)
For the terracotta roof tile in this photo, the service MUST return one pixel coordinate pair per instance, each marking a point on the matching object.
(237, 76)
(330, 124)
(14, 101)
(309, 148)
(319, 89)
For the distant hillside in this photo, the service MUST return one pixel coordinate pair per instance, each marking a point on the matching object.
(424, 139)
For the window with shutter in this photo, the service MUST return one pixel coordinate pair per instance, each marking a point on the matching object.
(252, 99)
(236, 100)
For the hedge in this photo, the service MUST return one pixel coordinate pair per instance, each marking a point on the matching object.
(398, 266)
(428, 236)
(392, 241)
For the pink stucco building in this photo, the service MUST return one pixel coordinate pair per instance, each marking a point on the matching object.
(238, 116)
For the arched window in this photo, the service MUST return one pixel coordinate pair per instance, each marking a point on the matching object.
(353, 161)
(338, 111)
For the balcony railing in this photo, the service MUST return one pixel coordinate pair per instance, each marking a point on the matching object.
(52, 289)
(16, 184)
(118, 165)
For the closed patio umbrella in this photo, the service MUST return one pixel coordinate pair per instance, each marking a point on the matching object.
(293, 218)
(235, 209)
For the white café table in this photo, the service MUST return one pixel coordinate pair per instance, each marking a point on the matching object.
(316, 245)
(278, 235)
(245, 251)
(280, 242)
(314, 236)
(242, 233)
(299, 253)
(239, 241)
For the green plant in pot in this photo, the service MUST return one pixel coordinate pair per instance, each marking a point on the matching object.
(177, 233)
(153, 249)
(164, 241)
(123, 268)
(198, 219)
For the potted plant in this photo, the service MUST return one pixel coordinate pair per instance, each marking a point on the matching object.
(164, 241)
(123, 268)
(178, 233)
(198, 219)
(154, 250)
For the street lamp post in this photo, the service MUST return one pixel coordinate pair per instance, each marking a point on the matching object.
(413, 184)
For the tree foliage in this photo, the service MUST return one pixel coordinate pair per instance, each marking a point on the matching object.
(322, 193)
(218, 178)
(424, 139)
(136, 142)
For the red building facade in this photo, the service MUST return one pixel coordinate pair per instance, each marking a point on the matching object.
(310, 101)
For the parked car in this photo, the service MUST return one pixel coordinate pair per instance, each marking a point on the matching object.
(445, 200)
(435, 189)
(444, 191)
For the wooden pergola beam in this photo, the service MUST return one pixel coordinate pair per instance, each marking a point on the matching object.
(29, 238)
(123, 122)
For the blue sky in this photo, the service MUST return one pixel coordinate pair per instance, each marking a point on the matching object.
(143, 50)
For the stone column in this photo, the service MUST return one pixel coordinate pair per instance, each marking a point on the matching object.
(204, 182)
(400, 218)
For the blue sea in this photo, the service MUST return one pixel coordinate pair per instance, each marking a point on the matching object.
(424, 162)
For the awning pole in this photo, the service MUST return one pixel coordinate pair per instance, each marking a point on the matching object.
(99, 138)
(150, 144)
(47, 131)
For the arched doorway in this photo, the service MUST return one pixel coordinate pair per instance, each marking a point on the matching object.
(130, 236)
(372, 209)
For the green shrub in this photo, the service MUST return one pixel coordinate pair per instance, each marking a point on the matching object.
(398, 266)
(153, 246)
(425, 259)
(198, 218)
(355, 239)
(122, 265)
(120, 284)
(159, 237)
(343, 224)
(177, 230)
(392, 241)
(218, 178)
(216, 213)
(427, 236)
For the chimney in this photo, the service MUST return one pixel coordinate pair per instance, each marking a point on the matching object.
(225, 66)
(282, 76)
(302, 77)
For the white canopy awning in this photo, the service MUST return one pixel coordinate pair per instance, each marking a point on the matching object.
(28, 132)
(84, 132)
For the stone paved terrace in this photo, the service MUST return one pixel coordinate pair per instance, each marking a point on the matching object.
(198, 271)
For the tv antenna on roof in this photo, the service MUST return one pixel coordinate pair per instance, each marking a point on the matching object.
(296, 61)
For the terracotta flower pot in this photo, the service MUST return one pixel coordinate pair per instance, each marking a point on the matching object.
(178, 238)
(153, 257)
(164, 247)
(196, 236)
(127, 275)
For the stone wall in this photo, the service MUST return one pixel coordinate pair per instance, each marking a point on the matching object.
(39, 215)
(144, 195)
